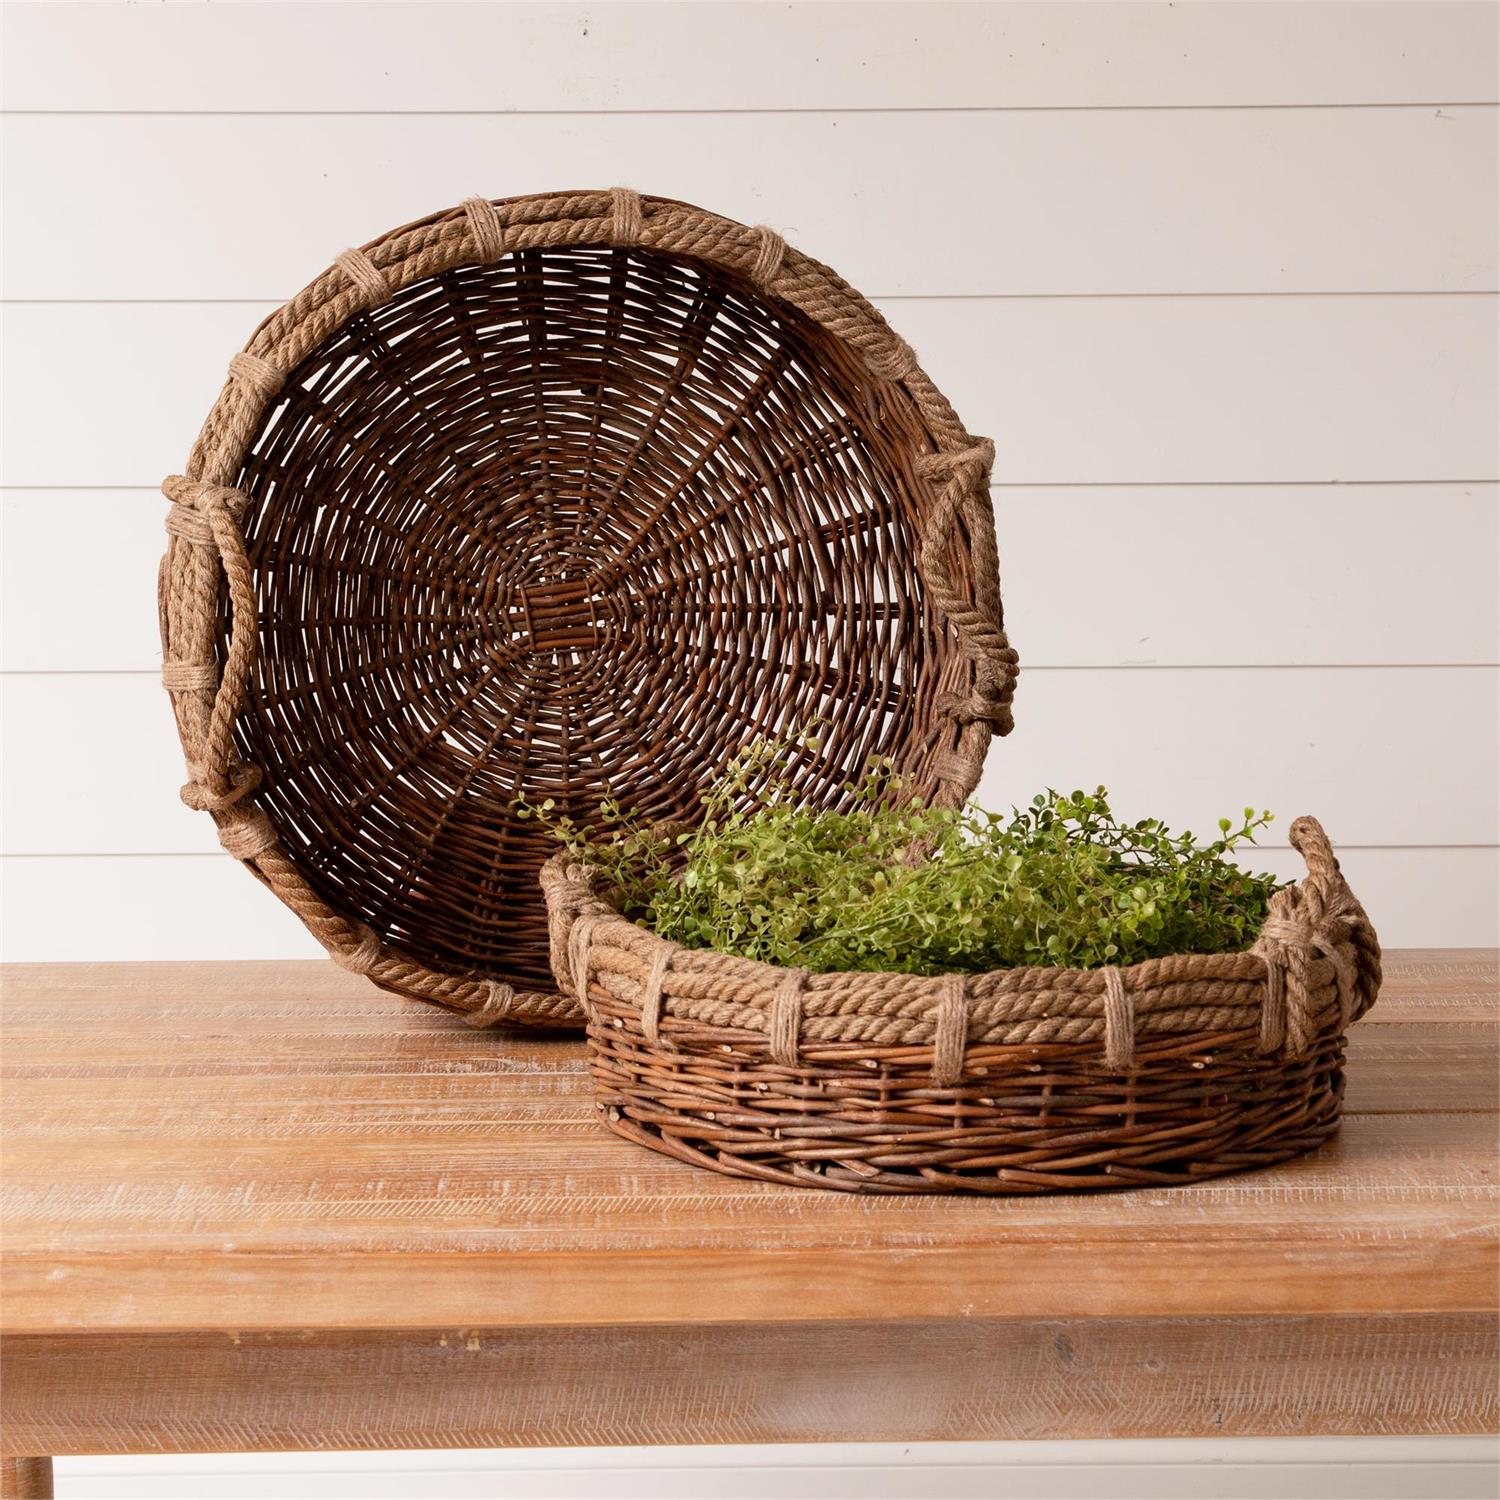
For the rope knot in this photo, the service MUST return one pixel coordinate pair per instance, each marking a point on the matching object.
(193, 498)
(365, 276)
(200, 797)
(495, 1008)
(784, 1023)
(982, 706)
(950, 1034)
(956, 768)
(651, 991)
(487, 229)
(770, 251)
(1290, 932)
(977, 459)
(189, 676)
(894, 360)
(247, 834)
(1119, 1023)
(627, 217)
(363, 956)
(1299, 925)
(259, 376)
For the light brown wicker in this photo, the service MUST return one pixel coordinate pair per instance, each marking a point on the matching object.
(560, 497)
(1020, 1081)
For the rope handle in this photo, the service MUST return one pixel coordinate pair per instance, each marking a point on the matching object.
(964, 475)
(1319, 917)
(206, 516)
(1308, 839)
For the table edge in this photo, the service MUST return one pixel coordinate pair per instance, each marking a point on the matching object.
(375, 1291)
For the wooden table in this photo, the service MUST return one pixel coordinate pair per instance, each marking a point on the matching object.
(268, 1206)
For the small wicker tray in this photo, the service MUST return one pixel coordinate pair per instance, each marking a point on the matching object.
(1019, 1081)
(567, 496)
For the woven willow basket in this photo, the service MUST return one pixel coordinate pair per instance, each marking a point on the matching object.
(1020, 1081)
(560, 497)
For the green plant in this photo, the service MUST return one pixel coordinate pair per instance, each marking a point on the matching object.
(889, 883)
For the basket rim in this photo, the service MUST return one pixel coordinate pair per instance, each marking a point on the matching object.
(1314, 964)
(206, 548)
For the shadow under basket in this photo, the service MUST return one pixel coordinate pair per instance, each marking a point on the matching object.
(1025, 1080)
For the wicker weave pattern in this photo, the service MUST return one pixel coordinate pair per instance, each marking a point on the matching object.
(398, 593)
(1021, 1080)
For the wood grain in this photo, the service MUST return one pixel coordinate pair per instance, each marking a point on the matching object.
(477, 1387)
(268, 1206)
(288, 1140)
(26, 1479)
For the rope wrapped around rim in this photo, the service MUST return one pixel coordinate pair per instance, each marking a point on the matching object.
(206, 552)
(1315, 965)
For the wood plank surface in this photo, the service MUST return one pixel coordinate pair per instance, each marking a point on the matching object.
(1382, 200)
(283, 1147)
(816, 1382)
(511, 57)
(1075, 390)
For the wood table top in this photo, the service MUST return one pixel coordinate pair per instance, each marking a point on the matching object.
(215, 1147)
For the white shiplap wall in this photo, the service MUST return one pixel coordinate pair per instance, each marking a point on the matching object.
(1220, 278)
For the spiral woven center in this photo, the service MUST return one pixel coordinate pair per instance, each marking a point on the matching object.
(580, 523)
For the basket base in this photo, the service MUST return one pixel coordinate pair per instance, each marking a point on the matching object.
(1022, 1120)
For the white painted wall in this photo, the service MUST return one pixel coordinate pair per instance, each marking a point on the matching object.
(1219, 277)
(1400, 1468)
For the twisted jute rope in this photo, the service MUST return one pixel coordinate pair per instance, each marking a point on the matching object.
(206, 550)
(1314, 967)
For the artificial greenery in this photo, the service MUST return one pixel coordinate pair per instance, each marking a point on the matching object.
(892, 884)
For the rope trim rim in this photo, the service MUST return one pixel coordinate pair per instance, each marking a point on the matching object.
(1315, 964)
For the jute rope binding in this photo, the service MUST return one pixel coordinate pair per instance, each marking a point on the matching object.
(1315, 961)
(206, 554)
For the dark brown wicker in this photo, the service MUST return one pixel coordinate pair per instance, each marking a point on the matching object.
(561, 497)
(1021, 1081)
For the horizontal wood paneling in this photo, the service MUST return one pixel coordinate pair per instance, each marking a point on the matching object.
(743, 56)
(174, 907)
(62, 910)
(1068, 202)
(1167, 464)
(100, 760)
(1250, 575)
(1080, 391)
(1103, 576)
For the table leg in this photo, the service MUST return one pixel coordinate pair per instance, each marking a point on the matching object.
(25, 1479)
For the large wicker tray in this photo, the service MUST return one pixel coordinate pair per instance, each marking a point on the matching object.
(1028, 1080)
(561, 497)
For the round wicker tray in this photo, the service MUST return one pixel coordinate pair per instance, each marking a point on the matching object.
(561, 497)
(1020, 1081)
